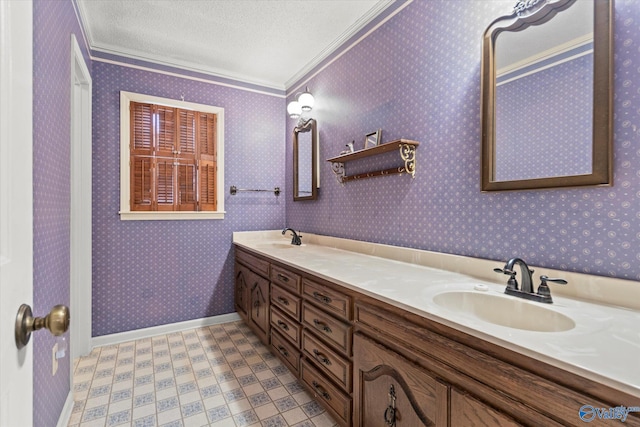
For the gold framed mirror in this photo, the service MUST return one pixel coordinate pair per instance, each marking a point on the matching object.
(546, 95)
(305, 161)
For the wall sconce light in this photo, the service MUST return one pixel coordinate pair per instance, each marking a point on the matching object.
(302, 104)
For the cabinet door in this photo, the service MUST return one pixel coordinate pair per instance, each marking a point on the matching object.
(259, 310)
(241, 291)
(390, 391)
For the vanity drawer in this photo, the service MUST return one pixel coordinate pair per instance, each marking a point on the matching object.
(286, 279)
(335, 365)
(337, 402)
(287, 353)
(333, 330)
(286, 326)
(329, 299)
(256, 264)
(289, 303)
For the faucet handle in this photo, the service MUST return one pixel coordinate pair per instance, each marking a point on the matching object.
(546, 279)
(512, 283)
(544, 290)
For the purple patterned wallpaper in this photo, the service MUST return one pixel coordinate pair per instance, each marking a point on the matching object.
(149, 273)
(418, 77)
(53, 23)
(546, 112)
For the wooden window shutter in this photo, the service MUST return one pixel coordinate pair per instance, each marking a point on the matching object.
(207, 187)
(187, 139)
(141, 183)
(207, 142)
(165, 185)
(173, 159)
(141, 123)
(187, 185)
(207, 136)
(165, 129)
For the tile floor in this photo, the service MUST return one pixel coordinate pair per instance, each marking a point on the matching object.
(220, 375)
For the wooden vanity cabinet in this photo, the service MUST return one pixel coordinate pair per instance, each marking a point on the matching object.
(327, 336)
(286, 351)
(286, 331)
(259, 306)
(287, 327)
(286, 279)
(252, 293)
(488, 384)
(241, 291)
(336, 401)
(468, 411)
(367, 361)
(286, 301)
(390, 390)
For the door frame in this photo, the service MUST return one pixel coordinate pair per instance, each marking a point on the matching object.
(16, 206)
(81, 158)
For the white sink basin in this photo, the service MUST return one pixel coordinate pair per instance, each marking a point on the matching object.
(506, 311)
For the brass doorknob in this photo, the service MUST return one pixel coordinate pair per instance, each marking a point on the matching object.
(57, 322)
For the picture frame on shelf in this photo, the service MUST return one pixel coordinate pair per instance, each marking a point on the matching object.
(350, 148)
(372, 139)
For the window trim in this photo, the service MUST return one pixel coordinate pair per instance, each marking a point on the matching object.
(126, 214)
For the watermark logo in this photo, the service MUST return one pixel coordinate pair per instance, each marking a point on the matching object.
(589, 413)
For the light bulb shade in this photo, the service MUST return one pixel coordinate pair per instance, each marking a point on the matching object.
(306, 101)
(294, 109)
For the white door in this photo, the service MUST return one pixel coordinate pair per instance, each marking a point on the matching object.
(16, 207)
(80, 203)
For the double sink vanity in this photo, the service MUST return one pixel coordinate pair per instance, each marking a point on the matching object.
(396, 337)
(391, 336)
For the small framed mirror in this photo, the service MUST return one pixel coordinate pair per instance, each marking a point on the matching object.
(305, 161)
(547, 96)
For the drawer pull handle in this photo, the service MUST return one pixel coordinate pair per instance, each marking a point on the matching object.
(321, 391)
(283, 325)
(283, 301)
(283, 277)
(322, 298)
(321, 357)
(322, 326)
(283, 351)
(390, 412)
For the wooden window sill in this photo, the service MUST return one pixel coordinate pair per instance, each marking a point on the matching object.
(171, 215)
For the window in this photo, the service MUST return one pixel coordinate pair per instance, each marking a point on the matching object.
(171, 159)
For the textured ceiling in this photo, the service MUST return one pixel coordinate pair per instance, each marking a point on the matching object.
(267, 42)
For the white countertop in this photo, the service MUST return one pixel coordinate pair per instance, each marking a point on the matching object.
(604, 345)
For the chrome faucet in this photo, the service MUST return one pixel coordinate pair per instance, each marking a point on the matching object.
(296, 239)
(526, 290)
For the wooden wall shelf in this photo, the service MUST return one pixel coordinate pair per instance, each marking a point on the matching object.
(406, 148)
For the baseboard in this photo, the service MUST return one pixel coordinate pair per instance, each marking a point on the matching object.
(65, 415)
(162, 330)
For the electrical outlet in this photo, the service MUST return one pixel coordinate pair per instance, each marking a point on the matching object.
(54, 360)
